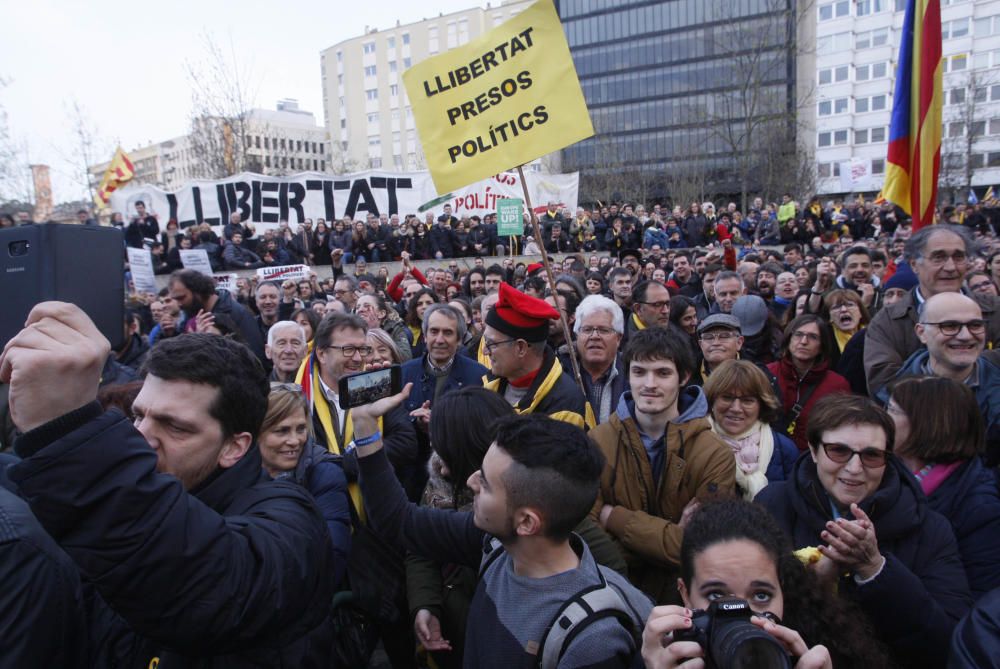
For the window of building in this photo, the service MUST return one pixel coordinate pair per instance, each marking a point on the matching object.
(956, 129)
(373, 117)
(825, 139)
(956, 28)
(282, 143)
(993, 159)
(994, 127)
(256, 141)
(406, 38)
(987, 26)
(390, 42)
(976, 160)
(956, 96)
(406, 63)
(823, 170)
(866, 7)
(267, 161)
(839, 137)
(340, 56)
(878, 166)
(432, 39)
(397, 162)
(393, 90)
(368, 47)
(392, 66)
(957, 63)
(376, 163)
(871, 38)
(830, 107)
(831, 44)
(861, 136)
(343, 123)
(369, 70)
(899, 5)
(871, 71)
(321, 149)
(322, 165)
(371, 94)
(834, 10)
(878, 135)
(833, 75)
(977, 129)
(374, 140)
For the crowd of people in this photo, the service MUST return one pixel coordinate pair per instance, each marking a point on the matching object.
(787, 421)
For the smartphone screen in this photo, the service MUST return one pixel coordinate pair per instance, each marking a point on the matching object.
(367, 387)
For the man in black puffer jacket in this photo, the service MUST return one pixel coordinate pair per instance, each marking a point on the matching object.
(194, 557)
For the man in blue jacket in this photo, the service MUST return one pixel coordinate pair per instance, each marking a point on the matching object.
(196, 556)
(435, 373)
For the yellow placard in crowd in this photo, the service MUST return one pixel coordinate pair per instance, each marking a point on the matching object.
(504, 99)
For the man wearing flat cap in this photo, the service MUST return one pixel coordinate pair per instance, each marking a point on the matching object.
(525, 371)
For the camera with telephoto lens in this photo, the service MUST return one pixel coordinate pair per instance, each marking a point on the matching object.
(730, 640)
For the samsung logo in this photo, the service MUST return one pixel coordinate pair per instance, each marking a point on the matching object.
(15, 269)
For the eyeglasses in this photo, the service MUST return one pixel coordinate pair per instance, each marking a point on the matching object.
(349, 351)
(976, 326)
(981, 286)
(871, 458)
(657, 305)
(939, 258)
(490, 345)
(843, 305)
(808, 336)
(709, 337)
(590, 331)
(745, 400)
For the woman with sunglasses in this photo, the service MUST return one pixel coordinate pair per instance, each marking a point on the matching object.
(288, 452)
(879, 542)
(939, 437)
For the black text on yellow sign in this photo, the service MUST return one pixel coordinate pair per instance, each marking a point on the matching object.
(486, 107)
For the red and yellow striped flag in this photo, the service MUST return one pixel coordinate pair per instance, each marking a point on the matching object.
(119, 172)
(914, 158)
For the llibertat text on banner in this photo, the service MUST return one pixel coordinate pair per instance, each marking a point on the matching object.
(502, 100)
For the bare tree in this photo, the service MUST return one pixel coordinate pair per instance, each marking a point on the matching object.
(965, 123)
(88, 146)
(756, 122)
(222, 97)
(15, 174)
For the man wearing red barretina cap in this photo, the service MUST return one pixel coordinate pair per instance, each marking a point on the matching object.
(525, 371)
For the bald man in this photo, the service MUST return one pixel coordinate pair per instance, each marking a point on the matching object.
(953, 330)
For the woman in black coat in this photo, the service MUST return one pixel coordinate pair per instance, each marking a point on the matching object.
(939, 436)
(879, 541)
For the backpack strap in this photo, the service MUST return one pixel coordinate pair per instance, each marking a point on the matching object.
(591, 604)
(492, 550)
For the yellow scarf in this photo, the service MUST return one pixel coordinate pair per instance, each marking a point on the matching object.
(637, 323)
(482, 356)
(843, 337)
(322, 410)
(416, 334)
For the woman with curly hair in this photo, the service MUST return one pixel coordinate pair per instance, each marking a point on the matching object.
(735, 549)
(417, 304)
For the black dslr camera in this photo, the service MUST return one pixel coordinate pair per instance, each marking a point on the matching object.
(730, 640)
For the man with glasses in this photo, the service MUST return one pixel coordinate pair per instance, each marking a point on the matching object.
(662, 459)
(340, 348)
(525, 370)
(720, 338)
(599, 327)
(940, 257)
(346, 290)
(650, 307)
(954, 333)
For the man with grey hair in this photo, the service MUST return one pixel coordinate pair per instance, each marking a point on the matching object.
(599, 326)
(728, 287)
(285, 348)
(437, 372)
(940, 256)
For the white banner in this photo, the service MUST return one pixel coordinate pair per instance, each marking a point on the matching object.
(293, 272)
(226, 281)
(265, 201)
(196, 259)
(140, 263)
(856, 174)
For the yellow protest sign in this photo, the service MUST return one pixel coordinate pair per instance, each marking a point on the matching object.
(502, 100)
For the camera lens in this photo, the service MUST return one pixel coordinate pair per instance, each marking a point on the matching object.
(739, 644)
(18, 248)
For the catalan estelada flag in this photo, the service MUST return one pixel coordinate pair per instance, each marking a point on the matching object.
(119, 172)
(914, 158)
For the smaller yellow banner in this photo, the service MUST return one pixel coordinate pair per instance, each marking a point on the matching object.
(506, 98)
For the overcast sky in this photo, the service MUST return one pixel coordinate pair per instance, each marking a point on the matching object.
(125, 62)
